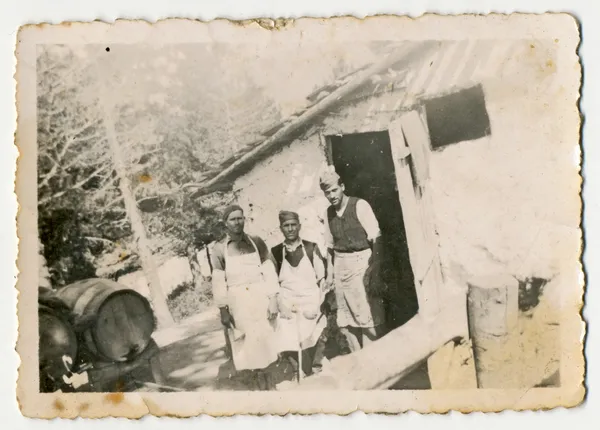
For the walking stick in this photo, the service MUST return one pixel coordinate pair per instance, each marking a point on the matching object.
(299, 348)
(300, 342)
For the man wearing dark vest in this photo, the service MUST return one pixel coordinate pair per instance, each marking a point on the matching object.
(300, 267)
(354, 250)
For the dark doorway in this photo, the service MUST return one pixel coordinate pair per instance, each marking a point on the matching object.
(364, 162)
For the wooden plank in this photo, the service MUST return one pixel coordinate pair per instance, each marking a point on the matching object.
(408, 136)
(417, 140)
(430, 274)
(386, 361)
(161, 388)
(408, 202)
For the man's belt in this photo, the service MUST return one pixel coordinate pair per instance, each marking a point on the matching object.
(350, 251)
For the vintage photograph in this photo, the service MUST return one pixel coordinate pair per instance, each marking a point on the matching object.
(300, 208)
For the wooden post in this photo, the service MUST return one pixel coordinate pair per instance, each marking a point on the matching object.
(492, 307)
(159, 299)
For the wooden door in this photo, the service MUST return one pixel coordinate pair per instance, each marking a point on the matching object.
(411, 152)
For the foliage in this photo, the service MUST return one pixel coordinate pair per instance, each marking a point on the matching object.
(137, 123)
(186, 300)
(175, 123)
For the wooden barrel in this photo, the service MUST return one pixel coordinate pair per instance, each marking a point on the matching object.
(114, 322)
(57, 341)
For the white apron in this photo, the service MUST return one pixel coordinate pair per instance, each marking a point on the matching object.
(253, 342)
(299, 291)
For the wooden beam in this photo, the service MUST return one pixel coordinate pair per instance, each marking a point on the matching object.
(159, 388)
(386, 361)
(406, 56)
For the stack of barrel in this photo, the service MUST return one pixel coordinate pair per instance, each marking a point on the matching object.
(92, 324)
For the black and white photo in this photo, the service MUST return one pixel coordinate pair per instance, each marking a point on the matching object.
(377, 208)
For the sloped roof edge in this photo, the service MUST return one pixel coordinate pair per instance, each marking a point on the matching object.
(246, 162)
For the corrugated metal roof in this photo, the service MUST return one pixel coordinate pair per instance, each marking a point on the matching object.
(460, 64)
(452, 65)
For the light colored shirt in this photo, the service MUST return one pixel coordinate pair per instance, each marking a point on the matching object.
(365, 216)
(291, 247)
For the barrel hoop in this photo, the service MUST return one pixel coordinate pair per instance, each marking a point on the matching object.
(84, 300)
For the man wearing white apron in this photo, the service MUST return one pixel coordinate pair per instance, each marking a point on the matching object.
(245, 288)
(354, 250)
(301, 270)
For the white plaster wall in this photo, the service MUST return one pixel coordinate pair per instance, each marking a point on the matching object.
(508, 202)
(288, 180)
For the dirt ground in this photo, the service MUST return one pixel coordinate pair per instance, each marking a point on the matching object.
(197, 361)
(528, 357)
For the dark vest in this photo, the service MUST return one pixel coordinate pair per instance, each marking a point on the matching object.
(347, 231)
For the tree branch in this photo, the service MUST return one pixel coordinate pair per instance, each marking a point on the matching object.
(99, 239)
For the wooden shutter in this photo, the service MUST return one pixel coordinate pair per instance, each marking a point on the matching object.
(411, 152)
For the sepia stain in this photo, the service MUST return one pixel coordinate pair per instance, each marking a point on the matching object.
(115, 398)
(84, 407)
(58, 405)
(145, 178)
(266, 23)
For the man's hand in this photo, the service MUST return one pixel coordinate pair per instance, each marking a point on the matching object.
(226, 317)
(273, 308)
(285, 311)
(323, 285)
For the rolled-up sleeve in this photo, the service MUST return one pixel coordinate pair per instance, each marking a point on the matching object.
(217, 257)
(367, 218)
(219, 283)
